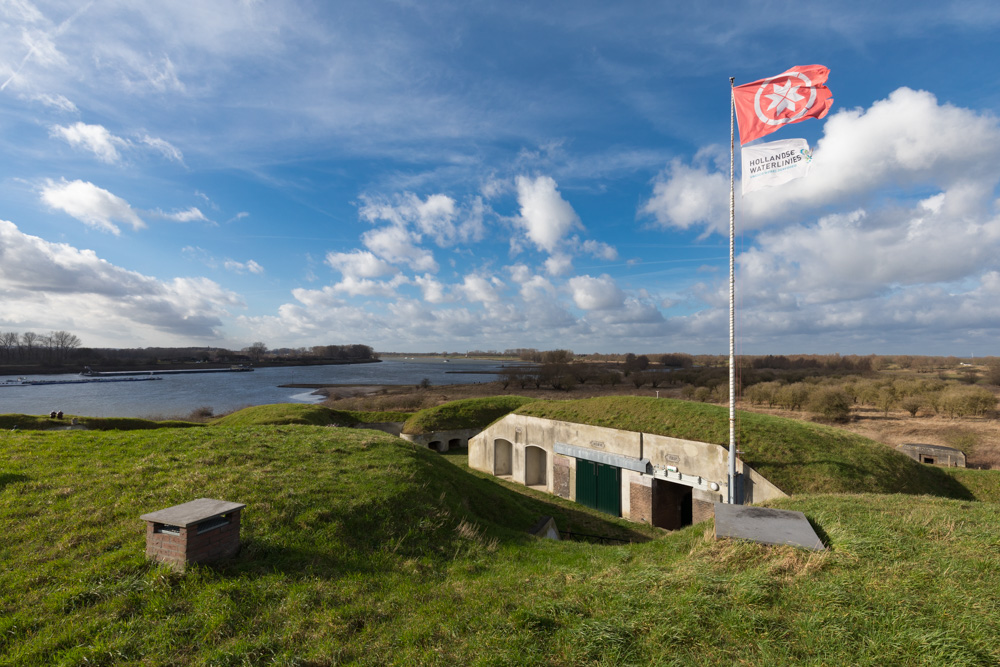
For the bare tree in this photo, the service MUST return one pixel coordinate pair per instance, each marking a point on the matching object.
(256, 351)
(29, 340)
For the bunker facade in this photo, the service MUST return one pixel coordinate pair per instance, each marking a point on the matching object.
(663, 481)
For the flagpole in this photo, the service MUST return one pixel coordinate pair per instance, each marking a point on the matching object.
(733, 498)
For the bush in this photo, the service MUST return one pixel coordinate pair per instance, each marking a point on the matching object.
(831, 404)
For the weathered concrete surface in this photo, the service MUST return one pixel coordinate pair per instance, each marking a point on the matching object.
(442, 441)
(517, 445)
(938, 455)
(766, 526)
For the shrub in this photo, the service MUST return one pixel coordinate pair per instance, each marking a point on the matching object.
(831, 404)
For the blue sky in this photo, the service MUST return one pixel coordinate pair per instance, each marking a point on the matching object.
(477, 175)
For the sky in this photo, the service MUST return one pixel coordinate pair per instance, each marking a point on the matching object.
(453, 176)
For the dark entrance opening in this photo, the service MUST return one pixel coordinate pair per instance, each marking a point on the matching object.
(672, 505)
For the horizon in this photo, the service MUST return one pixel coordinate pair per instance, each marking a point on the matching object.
(476, 177)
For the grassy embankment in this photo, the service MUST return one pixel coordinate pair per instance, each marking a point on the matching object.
(359, 547)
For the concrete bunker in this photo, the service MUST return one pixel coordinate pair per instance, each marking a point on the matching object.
(938, 455)
(667, 482)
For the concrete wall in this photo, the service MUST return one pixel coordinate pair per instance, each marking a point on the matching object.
(442, 441)
(688, 463)
(934, 454)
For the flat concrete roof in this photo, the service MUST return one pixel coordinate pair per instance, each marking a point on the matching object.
(196, 511)
(765, 525)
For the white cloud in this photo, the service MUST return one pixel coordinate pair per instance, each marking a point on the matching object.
(558, 264)
(438, 216)
(600, 250)
(600, 293)
(94, 138)
(359, 264)
(192, 214)
(482, 289)
(91, 205)
(431, 290)
(545, 216)
(365, 287)
(107, 146)
(55, 285)
(55, 101)
(908, 140)
(165, 148)
(399, 246)
(250, 266)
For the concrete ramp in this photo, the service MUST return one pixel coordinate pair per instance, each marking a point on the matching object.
(765, 525)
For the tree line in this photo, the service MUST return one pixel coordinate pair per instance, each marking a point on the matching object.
(32, 347)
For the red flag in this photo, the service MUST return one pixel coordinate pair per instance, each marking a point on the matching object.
(766, 105)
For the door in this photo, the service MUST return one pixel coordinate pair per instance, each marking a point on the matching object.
(599, 486)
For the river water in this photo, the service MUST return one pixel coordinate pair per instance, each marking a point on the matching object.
(179, 395)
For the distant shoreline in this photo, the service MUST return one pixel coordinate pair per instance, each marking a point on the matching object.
(109, 368)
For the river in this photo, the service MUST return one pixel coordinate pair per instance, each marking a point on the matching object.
(179, 395)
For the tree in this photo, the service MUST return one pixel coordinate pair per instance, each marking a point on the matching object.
(256, 351)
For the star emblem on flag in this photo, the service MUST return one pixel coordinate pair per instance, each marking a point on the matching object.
(784, 97)
(764, 106)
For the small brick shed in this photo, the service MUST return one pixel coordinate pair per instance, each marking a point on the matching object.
(200, 531)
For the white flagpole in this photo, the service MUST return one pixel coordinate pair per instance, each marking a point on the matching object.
(733, 498)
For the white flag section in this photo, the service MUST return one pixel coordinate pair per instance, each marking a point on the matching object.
(774, 163)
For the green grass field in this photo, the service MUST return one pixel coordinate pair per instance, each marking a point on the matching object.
(359, 548)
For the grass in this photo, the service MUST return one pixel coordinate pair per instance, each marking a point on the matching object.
(45, 423)
(799, 457)
(463, 414)
(297, 413)
(360, 548)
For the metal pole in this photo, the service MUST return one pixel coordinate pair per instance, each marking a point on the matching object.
(733, 499)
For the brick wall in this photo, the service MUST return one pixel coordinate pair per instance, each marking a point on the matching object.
(191, 547)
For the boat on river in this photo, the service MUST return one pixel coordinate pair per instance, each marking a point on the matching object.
(22, 382)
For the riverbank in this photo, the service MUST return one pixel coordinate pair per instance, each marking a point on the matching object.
(28, 369)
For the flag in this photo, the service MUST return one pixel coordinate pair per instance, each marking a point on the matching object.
(764, 106)
(774, 163)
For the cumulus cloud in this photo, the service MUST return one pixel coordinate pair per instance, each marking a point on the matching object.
(545, 216)
(908, 140)
(56, 285)
(359, 264)
(431, 290)
(438, 216)
(91, 205)
(601, 293)
(482, 289)
(397, 245)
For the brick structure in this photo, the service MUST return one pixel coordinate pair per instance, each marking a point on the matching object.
(201, 531)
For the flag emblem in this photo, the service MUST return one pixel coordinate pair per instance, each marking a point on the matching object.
(766, 105)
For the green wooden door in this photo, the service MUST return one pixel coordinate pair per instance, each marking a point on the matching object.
(586, 483)
(609, 489)
(599, 486)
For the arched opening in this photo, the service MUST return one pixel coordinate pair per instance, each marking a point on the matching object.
(455, 443)
(503, 457)
(438, 446)
(534, 466)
